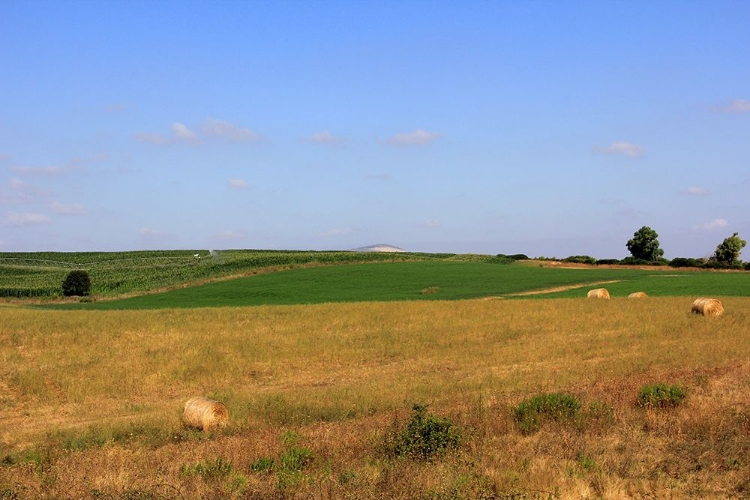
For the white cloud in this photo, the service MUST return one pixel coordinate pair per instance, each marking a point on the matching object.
(621, 148)
(430, 223)
(238, 184)
(694, 191)
(325, 137)
(714, 224)
(180, 134)
(68, 209)
(417, 138)
(334, 232)
(738, 106)
(225, 130)
(22, 192)
(230, 235)
(26, 219)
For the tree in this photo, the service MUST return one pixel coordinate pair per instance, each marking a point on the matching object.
(644, 244)
(76, 283)
(729, 250)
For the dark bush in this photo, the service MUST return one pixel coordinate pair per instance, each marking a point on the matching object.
(605, 262)
(518, 256)
(424, 437)
(632, 261)
(500, 259)
(580, 259)
(76, 283)
(531, 413)
(685, 262)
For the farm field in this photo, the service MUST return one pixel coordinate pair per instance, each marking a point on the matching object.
(91, 400)
(431, 280)
(39, 274)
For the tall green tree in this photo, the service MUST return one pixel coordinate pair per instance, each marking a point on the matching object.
(729, 250)
(644, 244)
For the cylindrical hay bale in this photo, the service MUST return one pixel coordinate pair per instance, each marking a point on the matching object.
(707, 307)
(638, 295)
(205, 414)
(598, 293)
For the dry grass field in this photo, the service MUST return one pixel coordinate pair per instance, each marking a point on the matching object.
(90, 401)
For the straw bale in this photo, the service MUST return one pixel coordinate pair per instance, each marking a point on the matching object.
(598, 293)
(205, 414)
(638, 295)
(707, 307)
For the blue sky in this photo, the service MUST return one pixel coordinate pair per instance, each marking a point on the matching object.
(546, 128)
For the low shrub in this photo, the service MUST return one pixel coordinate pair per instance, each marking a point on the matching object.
(211, 469)
(532, 412)
(580, 259)
(632, 261)
(606, 262)
(685, 262)
(423, 438)
(660, 396)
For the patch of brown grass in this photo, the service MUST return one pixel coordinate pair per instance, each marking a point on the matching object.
(91, 401)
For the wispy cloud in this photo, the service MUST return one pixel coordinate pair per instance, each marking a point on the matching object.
(68, 209)
(26, 219)
(620, 148)
(4, 157)
(117, 107)
(50, 170)
(181, 134)
(225, 130)
(238, 184)
(230, 235)
(694, 191)
(417, 138)
(22, 192)
(325, 138)
(152, 235)
(210, 129)
(79, 161)
(430, 223)
(713, 224)
(738, 106)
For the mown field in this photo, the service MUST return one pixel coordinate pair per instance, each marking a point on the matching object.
(91, 400)
(321, 367)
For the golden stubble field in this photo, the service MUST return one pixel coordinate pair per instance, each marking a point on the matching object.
(90, 401)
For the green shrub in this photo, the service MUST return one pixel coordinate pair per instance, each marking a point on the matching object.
(76, 283)
(660, 396)
(685, 262)
(532, 412)
(605, 262)
(423, 438)
(517, 256)
(211, 469)
(580, 259)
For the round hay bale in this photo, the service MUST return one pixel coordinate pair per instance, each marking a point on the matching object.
(205, 414)
(707, 307)
(598, 293)
(638, 295)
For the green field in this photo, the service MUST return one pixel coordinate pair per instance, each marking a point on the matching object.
(40, 274)
(429, 280)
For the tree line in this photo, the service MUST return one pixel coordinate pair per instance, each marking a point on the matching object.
(645, 246)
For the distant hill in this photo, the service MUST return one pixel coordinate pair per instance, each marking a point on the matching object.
(379, 248)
